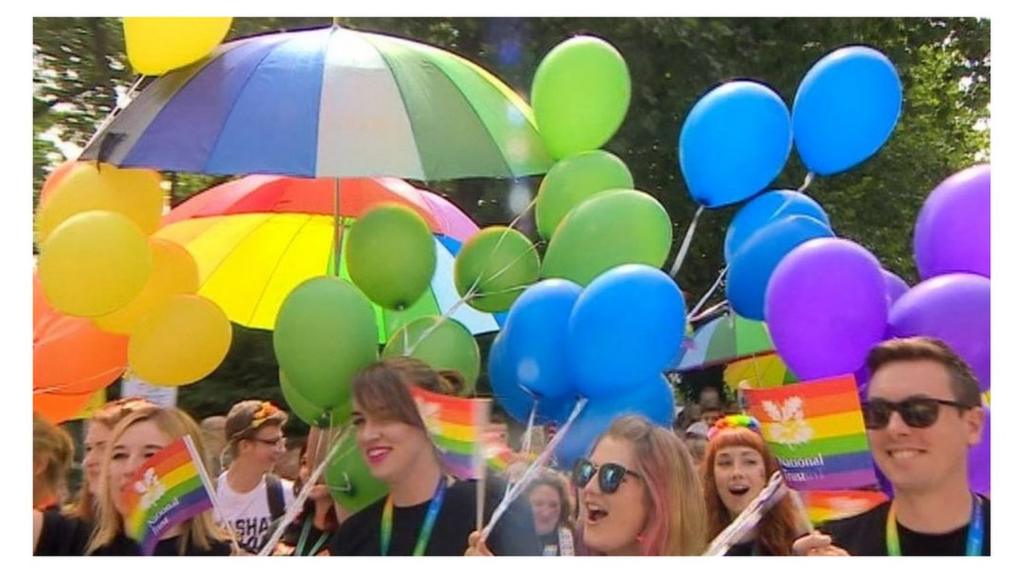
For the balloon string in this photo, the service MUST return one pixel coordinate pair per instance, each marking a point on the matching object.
(807, 182)
(703, 300)
(338, 227)
(532, 471)
(686, 242)
(300, 500)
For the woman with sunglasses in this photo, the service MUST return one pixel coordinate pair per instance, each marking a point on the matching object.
(736, 467)
(640, 494)
(426, 512)
(923, 413)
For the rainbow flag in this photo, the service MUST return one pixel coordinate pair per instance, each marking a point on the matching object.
(816, 431)
(456, 426)
(827, 505)
(168, 489)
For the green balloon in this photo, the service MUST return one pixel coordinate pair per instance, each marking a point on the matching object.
(326, 332)
(580, 95)
(612, 228)
(312, 414)
(390, 255)
(504, 261)
(448, 346)
(349, 478)
(573, 180)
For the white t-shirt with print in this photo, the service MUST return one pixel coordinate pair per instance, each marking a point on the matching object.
(249, 513)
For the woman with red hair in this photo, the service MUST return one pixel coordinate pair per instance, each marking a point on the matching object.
(736, 468)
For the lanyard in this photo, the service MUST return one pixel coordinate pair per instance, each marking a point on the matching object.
(387, 522)
(975, 534)
(305, 534)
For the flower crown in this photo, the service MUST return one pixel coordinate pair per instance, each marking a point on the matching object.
(735, 421)
(265, 412)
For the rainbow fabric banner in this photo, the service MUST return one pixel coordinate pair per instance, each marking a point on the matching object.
(168, 489)
(816, 431)
(827, 505)
(457, 428)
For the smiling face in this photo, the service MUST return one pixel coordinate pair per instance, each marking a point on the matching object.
(138, 442)
(612, 523)
(918, 459)
(739, 476)
(96, 438)
(547, 508)
(391, 448)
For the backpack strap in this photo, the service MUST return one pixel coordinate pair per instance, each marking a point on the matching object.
(275, 496)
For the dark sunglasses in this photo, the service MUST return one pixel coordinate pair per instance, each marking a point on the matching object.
(609, 476)
(916, 412)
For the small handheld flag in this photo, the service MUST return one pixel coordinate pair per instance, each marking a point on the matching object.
(167, 490)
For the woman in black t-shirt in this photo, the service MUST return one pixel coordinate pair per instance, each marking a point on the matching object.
(136, 438)
(54, 534)
(426, 512)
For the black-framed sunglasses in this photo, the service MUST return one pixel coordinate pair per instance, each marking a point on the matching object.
(609, 476)
(918, 412)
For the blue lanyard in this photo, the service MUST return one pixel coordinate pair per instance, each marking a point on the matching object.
(975, 534)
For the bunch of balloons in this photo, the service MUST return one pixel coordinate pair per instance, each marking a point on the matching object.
(98, 261)
(608, 343)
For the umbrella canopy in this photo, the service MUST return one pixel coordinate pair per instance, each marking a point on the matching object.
(327, 102)
(257, 250)
(765, 371)
(723, 339)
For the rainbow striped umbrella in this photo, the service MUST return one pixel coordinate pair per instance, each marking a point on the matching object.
(724, 339)
(257, 238)
(327, 102)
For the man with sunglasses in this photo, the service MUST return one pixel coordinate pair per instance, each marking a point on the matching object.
(250, 496)
(923, 412)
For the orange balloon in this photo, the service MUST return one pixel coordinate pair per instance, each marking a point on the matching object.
(71, 356)
(53, 180)
(57, 408)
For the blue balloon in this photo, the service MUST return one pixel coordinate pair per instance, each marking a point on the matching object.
(515, 399)
(626, 327)
(746, 282)
(734, 142)
(845, 109)
(536, 334)
(766, 208)
(652, 399)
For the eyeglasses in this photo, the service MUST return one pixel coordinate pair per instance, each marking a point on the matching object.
(278, 442)
(919, 412)
(609, 476)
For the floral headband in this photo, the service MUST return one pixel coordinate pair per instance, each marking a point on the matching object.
(735, 421)
(265, 412)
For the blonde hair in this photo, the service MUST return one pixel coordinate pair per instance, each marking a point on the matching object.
(53, 447)
(676, 522)
(200, 529)
(108, 416)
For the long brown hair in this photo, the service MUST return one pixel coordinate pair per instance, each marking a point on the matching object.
(556, 482)
(382, 388)
(200, 530)
(676, 523)
(52, 451)
(780, 526)
(108, 416)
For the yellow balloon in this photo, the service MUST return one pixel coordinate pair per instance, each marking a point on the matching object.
(174, 272)
(181, 341)
(94, 263)
(157, 45)
(132, 192)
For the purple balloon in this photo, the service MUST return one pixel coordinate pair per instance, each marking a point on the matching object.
(894, 287)
(954, 226)
(953, 308)
(826, 307)
(979, 465)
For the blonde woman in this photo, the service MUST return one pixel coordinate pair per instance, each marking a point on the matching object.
(136, 438)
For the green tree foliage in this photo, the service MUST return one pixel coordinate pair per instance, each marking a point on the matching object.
(944, 66)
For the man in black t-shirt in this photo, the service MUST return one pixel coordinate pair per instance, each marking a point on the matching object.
(923, 413)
